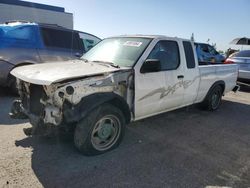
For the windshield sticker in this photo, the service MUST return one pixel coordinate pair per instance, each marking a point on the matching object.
(132, 43)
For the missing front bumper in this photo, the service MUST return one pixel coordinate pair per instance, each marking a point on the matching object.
(38, 127)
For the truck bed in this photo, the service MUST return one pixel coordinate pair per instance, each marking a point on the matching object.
(209, 74)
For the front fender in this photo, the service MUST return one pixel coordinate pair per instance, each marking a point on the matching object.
(74, 113)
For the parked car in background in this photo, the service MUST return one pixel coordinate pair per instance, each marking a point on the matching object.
(23, 43)
(207, 54)
(231, 51)
(88, 40)
(242, 58)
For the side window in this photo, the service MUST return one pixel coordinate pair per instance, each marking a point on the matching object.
(57, 38)
(212, 50)
(167, 52)
(88, 41)
(204, 48)
(189, 54)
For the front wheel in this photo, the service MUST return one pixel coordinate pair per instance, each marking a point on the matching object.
(100, 131)
(213, 99)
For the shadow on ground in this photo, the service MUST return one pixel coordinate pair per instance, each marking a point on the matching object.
(184, 148)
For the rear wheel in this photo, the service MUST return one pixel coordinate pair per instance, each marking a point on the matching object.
(101, 131)
(213, 99)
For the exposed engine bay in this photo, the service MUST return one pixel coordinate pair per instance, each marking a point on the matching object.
(46, 105)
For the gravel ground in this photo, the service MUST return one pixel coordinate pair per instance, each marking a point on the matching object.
(183, 148)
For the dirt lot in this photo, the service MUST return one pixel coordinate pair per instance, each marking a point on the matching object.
(184, 148)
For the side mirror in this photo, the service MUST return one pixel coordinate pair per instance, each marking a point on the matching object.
(151, 65)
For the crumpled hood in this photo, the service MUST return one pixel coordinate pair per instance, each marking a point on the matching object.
(48, 73)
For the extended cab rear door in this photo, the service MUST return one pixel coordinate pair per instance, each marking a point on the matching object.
(191, 73)
(159, 91)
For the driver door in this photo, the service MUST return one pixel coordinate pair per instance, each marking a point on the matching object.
(162, 90)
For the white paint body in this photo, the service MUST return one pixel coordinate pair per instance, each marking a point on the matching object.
(172, 92)
(204, 77)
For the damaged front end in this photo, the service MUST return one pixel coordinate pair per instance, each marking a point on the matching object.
(62, 104)
(34, 104)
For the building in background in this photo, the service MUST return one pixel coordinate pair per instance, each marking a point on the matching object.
(26, 11)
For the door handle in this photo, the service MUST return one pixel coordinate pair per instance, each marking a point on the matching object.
(180, 76)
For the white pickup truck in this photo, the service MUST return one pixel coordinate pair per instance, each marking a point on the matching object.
(121, 79)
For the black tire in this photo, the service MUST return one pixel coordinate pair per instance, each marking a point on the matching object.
(213, 99)
(104, 121)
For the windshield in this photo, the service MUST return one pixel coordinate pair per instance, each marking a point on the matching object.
(123, 51)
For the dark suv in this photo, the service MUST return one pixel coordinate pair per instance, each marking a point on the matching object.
(23, 43)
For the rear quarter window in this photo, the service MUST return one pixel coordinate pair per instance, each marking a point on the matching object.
(57, 38)
(189, 54)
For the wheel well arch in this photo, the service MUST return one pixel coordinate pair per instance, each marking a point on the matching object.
(73, 113)
(220, 83)
(121, 104)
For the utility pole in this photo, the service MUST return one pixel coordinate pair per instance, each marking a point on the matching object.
(192, 37)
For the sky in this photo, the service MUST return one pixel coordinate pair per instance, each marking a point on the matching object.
(220, 21)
